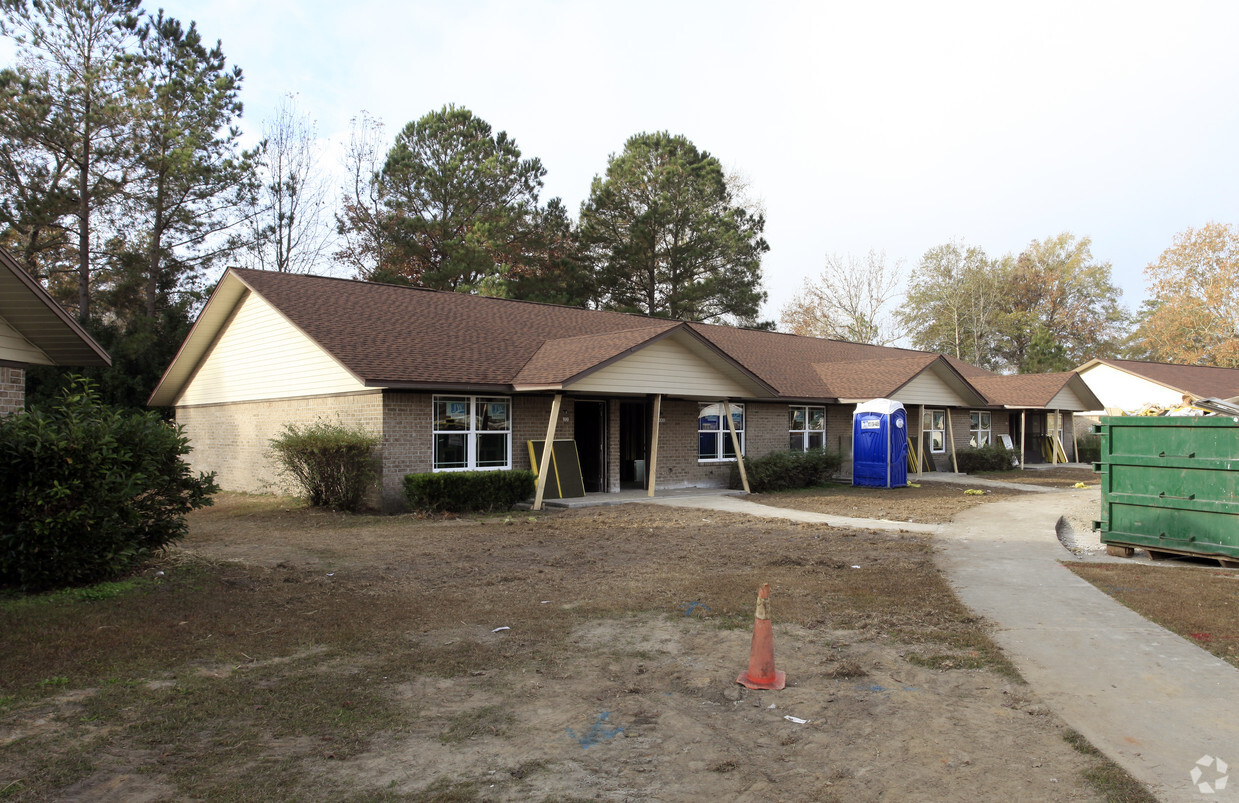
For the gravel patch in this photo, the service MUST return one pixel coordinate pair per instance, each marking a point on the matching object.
(1075, 528)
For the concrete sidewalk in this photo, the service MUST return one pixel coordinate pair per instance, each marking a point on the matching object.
(1148, 699)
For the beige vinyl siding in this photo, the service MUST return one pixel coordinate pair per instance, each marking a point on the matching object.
(16, 348)
(667, 366)
(260, 355)
(1066, 399)
(1118, 388)
(928, 389)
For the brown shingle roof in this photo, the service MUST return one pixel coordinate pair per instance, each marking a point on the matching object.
(788, 362)
(1202, 381)
(390, 335)
(1021, 390)
(871, 379)
(387, 334)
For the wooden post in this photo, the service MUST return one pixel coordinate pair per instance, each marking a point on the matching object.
(658, 411)
(1075, 443)
(735, 445)
(1023, 431)
(1054, 440)
(950, 433)
(544, 466)
(920, 444)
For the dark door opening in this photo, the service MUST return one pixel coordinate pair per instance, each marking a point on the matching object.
(590, 433)
(634, 440)
(1035, 430)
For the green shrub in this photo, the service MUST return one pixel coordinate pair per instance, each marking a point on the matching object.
(1089, 448)
(994, 457)
(333, 464)
(464, 491)
(89, 490)
(781, 471)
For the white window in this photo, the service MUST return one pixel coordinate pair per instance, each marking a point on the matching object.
(472, 432)
(934, 425)
(806, 428)
(979, 430)
(713, 436)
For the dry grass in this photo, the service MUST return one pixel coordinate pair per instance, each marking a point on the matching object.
(282, 643)
(1064, 477)
(930, 503)
(1200, 603)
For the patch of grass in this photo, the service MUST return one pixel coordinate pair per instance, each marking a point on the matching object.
(489, 720)
(91, 593)
(43, 764)
(1081, 745)
(447, 791)
(1200, 603)
(1109, 779)
(848, 669)
(952, 661)
(1115, 786)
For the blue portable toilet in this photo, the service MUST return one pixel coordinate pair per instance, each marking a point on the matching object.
(880, 444)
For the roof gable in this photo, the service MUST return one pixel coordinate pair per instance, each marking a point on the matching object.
(34, 329)
(1064, 390)
(1202, 381)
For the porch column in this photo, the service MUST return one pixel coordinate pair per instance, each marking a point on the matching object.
(1054, 440)
(1023, 431)
(735, 445)
(1075, 442)
(544, 465)
(658, 411)
(950, 434)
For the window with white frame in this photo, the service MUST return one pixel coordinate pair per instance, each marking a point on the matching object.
(713, 436)
(806, 428)
(979, 431)
(472, 432)
(934, 425)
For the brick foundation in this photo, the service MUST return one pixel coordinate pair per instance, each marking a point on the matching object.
(12, 389)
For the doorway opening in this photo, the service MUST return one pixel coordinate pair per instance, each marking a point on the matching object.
(590, 434)
(634, 444)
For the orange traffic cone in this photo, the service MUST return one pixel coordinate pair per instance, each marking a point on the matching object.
(762, 674)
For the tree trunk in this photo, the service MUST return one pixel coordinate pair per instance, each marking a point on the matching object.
(154, 259)
(83, 232)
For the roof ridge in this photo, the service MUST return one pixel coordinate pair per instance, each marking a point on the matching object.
(459, 294)
(807, 337)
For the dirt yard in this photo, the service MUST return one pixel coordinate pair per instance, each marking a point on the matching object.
(1063, 477)
(287, 654)
(930, 503)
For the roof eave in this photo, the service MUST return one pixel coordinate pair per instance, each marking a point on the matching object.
(36, 289)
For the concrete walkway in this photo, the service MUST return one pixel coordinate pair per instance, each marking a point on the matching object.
(1147, 698)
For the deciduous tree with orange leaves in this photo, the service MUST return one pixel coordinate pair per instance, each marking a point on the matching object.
(1193, 316)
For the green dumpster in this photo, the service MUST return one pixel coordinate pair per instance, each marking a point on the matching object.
(1169, 484)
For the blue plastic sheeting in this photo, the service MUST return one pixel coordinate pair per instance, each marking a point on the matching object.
(880, 444)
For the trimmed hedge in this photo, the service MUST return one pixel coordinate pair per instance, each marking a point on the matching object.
(466, 491)
(333, 464)
(994, 457)
(90, 491)
(781, 471)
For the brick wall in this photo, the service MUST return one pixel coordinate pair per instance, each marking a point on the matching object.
(12, 389)
(408, 445)
(231, 439)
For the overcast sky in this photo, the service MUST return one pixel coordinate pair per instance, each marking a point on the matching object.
(895, 126)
